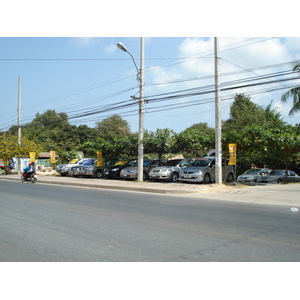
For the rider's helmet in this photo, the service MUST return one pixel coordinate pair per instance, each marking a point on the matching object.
(33, 163)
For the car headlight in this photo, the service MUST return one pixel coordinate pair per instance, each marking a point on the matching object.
(115, 169)
(198, 171)
(166, 170)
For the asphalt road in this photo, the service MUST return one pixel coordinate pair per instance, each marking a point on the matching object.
(58, 223)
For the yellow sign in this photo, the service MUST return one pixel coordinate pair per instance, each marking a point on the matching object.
(99, 159)
(232, 154)
(32, 156)
(52, 157)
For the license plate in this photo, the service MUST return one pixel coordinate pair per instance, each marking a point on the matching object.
(187, 176)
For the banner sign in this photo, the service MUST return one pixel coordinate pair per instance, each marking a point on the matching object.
(99, 158)
(52, 157)
(32, 156)
(232, 154)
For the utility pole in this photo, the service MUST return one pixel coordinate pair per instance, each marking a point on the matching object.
(19, 123)
(218, 143)
(140, 77)
(141, 117)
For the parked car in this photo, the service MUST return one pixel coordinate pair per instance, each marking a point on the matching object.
(132, 172)
(64, 169)
(203, 170)
(97, 171)
(251, 175)
(278, 176)
(115, 170)
(170, 170)
(76, 170)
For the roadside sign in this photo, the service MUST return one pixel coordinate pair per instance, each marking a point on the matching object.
(232, 154)
(99, 159)
(32, 156)
(52, 157)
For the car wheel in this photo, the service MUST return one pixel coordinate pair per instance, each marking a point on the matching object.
(174, 177)
(279, 180)
(230, 177)
(206, 178)
(98, 174)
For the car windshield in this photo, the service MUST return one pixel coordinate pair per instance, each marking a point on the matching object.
(121, 162)
(74, 161)
(89, 162)
(253, 171)
(201, 162)
(173, 162)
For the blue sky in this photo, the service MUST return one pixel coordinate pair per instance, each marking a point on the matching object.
(68, 60)
(81, 75)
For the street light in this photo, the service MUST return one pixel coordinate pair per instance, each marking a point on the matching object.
(140, 78)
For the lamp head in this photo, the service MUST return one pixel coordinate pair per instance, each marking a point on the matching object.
(122, 47)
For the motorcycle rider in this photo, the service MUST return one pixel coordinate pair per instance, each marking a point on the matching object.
(29, 170)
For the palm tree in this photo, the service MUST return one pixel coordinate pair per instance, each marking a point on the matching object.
(294, 93)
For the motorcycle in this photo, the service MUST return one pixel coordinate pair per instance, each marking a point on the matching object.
(32, 178)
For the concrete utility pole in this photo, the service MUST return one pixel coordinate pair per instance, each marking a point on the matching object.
(218, 144)
(141, 117)
(140, 77)
(19, 122)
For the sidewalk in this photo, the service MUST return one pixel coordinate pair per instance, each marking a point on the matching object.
(275, 194)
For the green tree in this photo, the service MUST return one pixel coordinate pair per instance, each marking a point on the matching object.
(244, 112)
(202, 127)
(10, 148)
(256, 145)
(194, 143)
(113, 126)
(161, 142)
(293, 93)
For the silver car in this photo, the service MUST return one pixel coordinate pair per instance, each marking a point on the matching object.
(64, 169)
(170, 171)
(278, 176)
(251, 175)
(61, 169)
(76, 171)
(203, 170)
(131, 172)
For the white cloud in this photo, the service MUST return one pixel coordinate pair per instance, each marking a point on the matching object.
(237, 55)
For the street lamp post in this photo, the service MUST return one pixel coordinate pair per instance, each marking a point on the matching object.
(140, 78)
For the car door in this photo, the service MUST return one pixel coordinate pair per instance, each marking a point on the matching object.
(211, 169)
(291, 176)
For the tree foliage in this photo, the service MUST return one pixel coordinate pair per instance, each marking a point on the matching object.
(293, 93)
(113, 126)
(244, 112)
(9, 147)
(161, 142)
